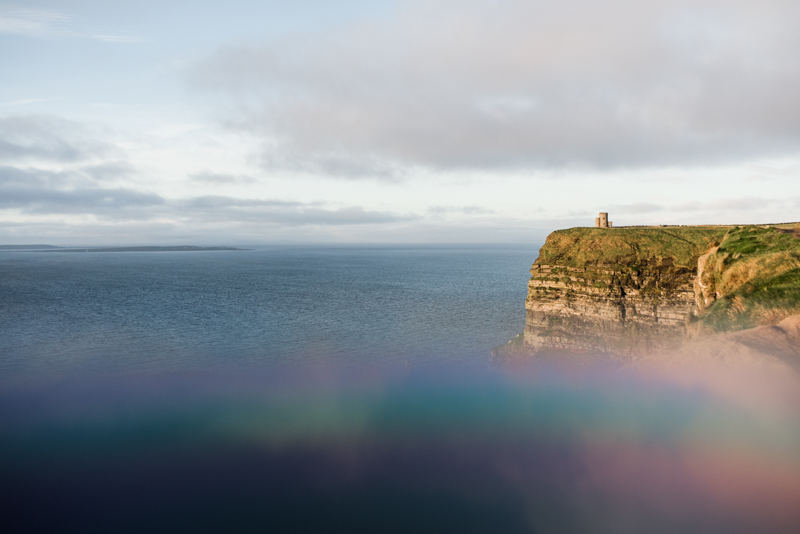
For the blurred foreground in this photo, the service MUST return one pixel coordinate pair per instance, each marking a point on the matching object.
(530, 448)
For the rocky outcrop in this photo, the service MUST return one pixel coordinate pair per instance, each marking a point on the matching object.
(704, 289)
(615, 292)
(610, 309)
(639, 291)
(644, 291)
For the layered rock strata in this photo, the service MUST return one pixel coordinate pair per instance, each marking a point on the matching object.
(608, 309)
(616, 292)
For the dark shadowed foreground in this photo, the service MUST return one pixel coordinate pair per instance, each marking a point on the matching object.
(534, 448)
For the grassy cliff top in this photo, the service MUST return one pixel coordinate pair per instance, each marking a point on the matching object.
(754, 273)
(579, 247)
(756, 276)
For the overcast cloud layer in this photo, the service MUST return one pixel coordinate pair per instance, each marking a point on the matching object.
(510, 83)
(477, 120)
(86, 182)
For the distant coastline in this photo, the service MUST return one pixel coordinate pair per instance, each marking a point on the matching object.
(52, 248)
(27, 247)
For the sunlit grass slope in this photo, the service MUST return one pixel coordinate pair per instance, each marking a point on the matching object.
(755, 274)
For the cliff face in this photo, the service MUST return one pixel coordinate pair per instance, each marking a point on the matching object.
(628, 291)
(608, 309)
(620, 291)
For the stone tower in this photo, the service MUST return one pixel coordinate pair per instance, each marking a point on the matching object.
(602, 221)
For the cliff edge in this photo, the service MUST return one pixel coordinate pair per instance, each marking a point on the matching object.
(625, 293)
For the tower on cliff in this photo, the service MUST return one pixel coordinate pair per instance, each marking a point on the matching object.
(602, 221)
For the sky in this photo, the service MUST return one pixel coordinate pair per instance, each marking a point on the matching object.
(246, 122)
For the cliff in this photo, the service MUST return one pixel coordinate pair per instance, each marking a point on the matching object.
(628, 292)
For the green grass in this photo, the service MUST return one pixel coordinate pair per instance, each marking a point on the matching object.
(581, 247)
(759, 302)
(752, 240)
(756, 272)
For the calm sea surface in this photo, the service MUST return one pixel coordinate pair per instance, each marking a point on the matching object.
(267, 391)
(65, 312)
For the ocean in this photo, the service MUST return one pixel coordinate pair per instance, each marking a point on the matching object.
(349, 389)
(160, 311)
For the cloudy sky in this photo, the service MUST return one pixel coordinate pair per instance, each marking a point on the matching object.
(210, 122)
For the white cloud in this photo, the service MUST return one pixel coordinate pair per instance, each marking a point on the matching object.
(46, 138)
(511, 84)
(33, 22)
(476, 120)
(29, 101)
(50, 166)
(46, 23)
(220, 178)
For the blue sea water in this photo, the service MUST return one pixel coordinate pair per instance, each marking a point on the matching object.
(267, 391)
(290, 305)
